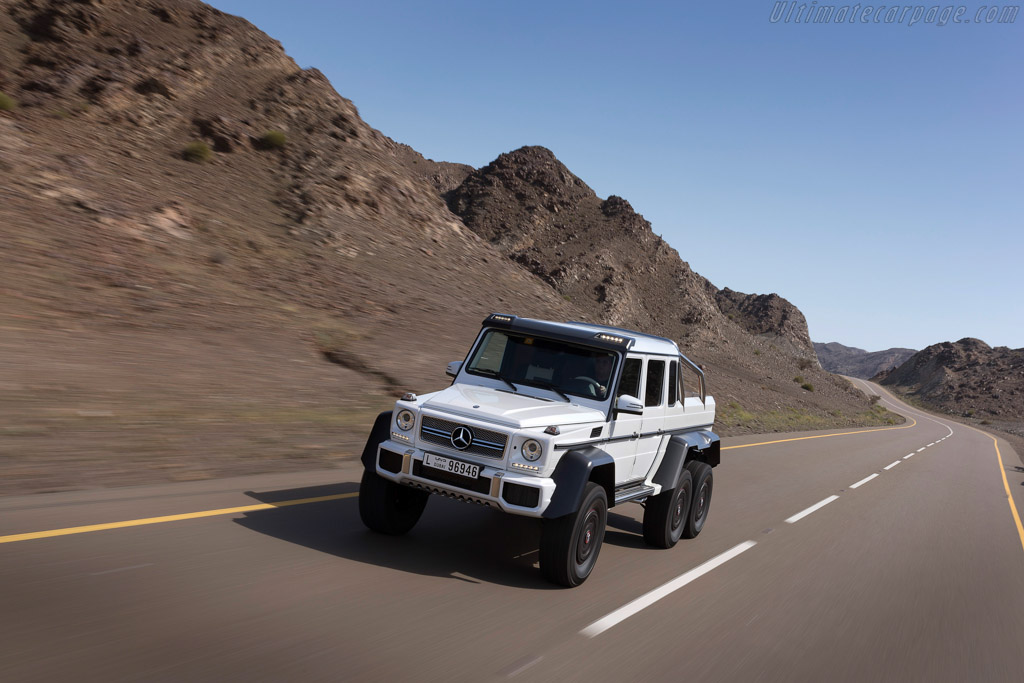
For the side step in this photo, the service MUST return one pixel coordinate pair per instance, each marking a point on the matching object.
(637, 492)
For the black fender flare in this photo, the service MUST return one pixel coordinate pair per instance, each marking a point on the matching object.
(703, 445)
(380, 433)
(571, 475)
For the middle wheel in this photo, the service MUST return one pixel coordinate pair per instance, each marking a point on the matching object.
(666, 513)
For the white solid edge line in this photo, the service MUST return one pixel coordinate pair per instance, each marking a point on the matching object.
(817, 506)
(648, 599)
(921, 449)
(864, 480)
(889, 467)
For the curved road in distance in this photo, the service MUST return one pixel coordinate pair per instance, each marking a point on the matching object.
(877, 554)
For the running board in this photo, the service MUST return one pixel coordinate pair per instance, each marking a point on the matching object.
(633, 493)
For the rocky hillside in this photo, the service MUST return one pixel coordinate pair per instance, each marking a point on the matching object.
(212, 264)
(967, 378)
(854, 362)
(770, 317)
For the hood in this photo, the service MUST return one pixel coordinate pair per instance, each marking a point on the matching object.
(506, 408)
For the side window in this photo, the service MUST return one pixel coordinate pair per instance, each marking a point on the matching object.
(673, 382)
(682, 395)
(630, 384)
(655, 382)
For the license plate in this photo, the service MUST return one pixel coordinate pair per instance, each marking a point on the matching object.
(444, 464)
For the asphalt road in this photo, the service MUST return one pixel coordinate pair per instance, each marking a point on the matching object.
(810, 568)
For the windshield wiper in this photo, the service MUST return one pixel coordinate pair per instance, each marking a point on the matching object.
(495, 374)
(548, 385)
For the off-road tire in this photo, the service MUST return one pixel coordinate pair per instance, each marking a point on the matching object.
(387, 507)
(569, 545)
(703, 484)
(666, 514)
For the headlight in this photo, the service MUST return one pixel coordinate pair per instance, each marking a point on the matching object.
(405, 420)
(532, 449)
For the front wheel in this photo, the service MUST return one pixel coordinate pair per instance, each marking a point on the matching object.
(569, 545)
(387, 507)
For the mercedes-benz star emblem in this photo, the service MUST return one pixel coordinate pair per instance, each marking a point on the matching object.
(462, 438)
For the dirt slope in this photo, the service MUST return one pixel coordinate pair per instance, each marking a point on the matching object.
(165, 318)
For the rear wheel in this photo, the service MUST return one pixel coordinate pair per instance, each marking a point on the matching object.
(569, 545)
(387, 507)
(665, 514)
(703, 484)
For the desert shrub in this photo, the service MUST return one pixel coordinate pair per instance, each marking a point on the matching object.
(197, 152)
(875, 398)
(799, 379)
(7, 103)
(757, 352)
(808, 386)
(986, 422)
(805, 363)
(273, 139)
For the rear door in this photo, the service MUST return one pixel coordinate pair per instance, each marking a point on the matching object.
(654, 398)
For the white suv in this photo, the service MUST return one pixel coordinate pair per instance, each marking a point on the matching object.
(558, 421)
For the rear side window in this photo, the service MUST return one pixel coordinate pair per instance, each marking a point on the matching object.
(655, 382)
(673, 382)
(630, 384)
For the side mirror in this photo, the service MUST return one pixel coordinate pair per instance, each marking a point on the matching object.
(629, 404)
(453, 368)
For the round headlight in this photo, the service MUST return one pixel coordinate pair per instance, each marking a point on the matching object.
(405, 420)
(532, 449)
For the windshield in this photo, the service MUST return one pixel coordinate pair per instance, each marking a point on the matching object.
(534, 361)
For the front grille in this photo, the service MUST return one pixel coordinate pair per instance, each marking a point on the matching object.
(478, 485)
(485, 442)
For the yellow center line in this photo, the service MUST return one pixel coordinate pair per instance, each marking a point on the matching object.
(303, 501)
(169, 518)
(821, 436)
(1006, 485)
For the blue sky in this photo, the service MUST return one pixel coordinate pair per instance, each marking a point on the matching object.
(869, 173)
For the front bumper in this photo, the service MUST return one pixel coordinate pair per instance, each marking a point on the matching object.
(512, 492)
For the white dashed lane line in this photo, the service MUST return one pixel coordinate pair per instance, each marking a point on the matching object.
(908, 456)
(889, 467)
(864, 481)
(648, 599)
(817, 506)
(921, 448)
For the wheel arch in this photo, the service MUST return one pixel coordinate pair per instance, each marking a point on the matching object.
(703, 445)
(573, 471)
(380, 432)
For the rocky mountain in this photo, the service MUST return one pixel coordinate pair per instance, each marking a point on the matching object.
(967, 378)
(854, 362)
(770, 317)
(212, 264)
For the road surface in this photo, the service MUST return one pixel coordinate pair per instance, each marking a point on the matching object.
(889, 554)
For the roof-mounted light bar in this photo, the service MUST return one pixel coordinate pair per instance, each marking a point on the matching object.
(610, 338)
(500, 318)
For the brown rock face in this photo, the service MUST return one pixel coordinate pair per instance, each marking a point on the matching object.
(967, 377)
(854, 362)
(771, 317)
(600, 254)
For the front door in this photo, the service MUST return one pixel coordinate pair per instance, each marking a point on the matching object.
(626, 427)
